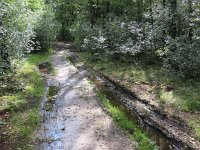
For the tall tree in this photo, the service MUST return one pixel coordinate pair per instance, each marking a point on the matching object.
(173, 18)
(139, 4)
(190, 11)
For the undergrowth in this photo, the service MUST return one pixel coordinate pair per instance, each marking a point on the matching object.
(127, 125)
(20, 110)
(184, 95)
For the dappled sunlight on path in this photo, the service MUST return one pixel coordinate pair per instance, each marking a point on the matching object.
(77, 122)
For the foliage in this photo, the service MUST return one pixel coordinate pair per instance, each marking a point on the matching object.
(25, 25)
(184, 61)
(46, 29)
(127, 125)
(130, 40)
(79, 31)
(23, 104)
(164, 30)
(139, 72)
(16, 31)
(65, 13)
(94, 41)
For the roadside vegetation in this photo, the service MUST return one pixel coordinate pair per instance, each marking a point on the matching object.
(27, 30)
(139, 72)
(149, 46)
(169, 94)
(143, 142)
(20, 110)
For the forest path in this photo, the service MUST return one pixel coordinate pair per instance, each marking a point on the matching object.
(77, 121)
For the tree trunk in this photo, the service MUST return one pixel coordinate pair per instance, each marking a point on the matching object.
(97, 10)
(92, 13)
(108, 6)
(5, 61)
(173, 18)
(164, 3)
(106, 11)
(139, 4)
(151, 12)
(151, 21)
(190, 11)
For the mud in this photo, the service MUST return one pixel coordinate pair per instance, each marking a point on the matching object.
(45, 67)
(77, 116)
(76, 121)
(166, 132)
(174, 133)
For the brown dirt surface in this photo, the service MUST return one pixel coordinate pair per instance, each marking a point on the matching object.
(76, 121)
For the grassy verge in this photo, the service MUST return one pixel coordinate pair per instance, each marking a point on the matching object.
(127, 125)
(175, 96)
(22, 108)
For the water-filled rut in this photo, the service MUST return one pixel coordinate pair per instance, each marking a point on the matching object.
(76, 120)
(168, 133)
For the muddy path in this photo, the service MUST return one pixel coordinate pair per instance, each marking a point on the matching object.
(72, 118)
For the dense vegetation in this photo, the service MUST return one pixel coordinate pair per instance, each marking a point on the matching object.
(25, 25)
(161, 30)
(165, 31)
(142, 43)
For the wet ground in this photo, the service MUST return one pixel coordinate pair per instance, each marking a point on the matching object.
(168, 133)
(76, 121)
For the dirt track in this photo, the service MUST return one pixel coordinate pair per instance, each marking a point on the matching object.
(77, 121)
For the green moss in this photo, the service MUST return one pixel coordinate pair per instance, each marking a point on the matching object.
(38, 58)
(49, 106)
(197, 131)
(53, 90)
(10, 102)
(68, 60)
(127, 125)
(24, 105)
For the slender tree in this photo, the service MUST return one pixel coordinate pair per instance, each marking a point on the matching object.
(173, 18)
(190, 11)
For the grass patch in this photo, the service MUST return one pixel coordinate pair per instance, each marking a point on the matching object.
(22, 129)
(68, 60)
(185, 94)
(23, 106)
(194, 124)
(127, 125)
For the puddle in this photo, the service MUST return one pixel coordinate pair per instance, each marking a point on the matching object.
(50, 133)
(51, 97)
(52, 92)
(45, 67)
